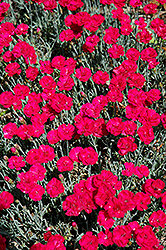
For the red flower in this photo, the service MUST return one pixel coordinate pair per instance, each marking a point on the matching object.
(16, 162)
(153, 187)
(100, 77)
(105, 220)
(111, 35)
(126, 144)
(2, 243)
(6, 199)
(132, 54)
(116, 51)
(66, 35)
(88, 156)
(65, 164)
(106, 238)
(88, 241)
(46, 153)
(36, 192)
(21, 29)
(74, 153)
(66, 132)
(121, 235)
(163, 119)
(10, 130)
(83, 74)
(146, 134)
(32, 73)
(158, 219)
(115, 126)
(141, 201)
(38, 170)
(55, 242)
(6, 99)
(54, 187)
(145, 237)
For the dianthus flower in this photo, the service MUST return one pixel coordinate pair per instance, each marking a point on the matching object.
(146, 134)
(10, 130)
(38, 170)
(142, 201)
(100, 77)
(36, 192)
(115, 126)
(153, 187)
(16, 162)
(116, 51)
(89, 241)
(13, 68)
(32, 73)
(88, 156)
(145, 237)
(126, 144)
(158, 219)
(21, 29)
(83, 74)
(6, 199)
(54, 187)
(121, 235)
(65, 164)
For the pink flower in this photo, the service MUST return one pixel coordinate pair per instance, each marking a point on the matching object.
(46, 153)
(116, 51)
(106, 238)
(21, 29)
(65, 164)
(16, 162)
(100, 77)
(6, 199)
(66, 35)
(66, 132)
(13, 68)
(38, 170)
(145, 237)
(45, 67)
(129, 169)
(27, 182)
(83, 74)
(88, 156)
(54, 187)
(150, 8)
(111, 35)
(141, 171)
(146, 134)
(6, 99)
(52, 136)
(129, 128)
(121, 235)
(163, 119)
(10, 130)
(105, 220)
(32, 73)
(36, 192)
(88, 241)
(132, 54)
(142, 201)
(56, 242)
(158, 219)
(153, 187)
(74, 153)
(126, 144)
(115, 126)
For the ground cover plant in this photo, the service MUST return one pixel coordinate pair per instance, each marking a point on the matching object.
(83, 121)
